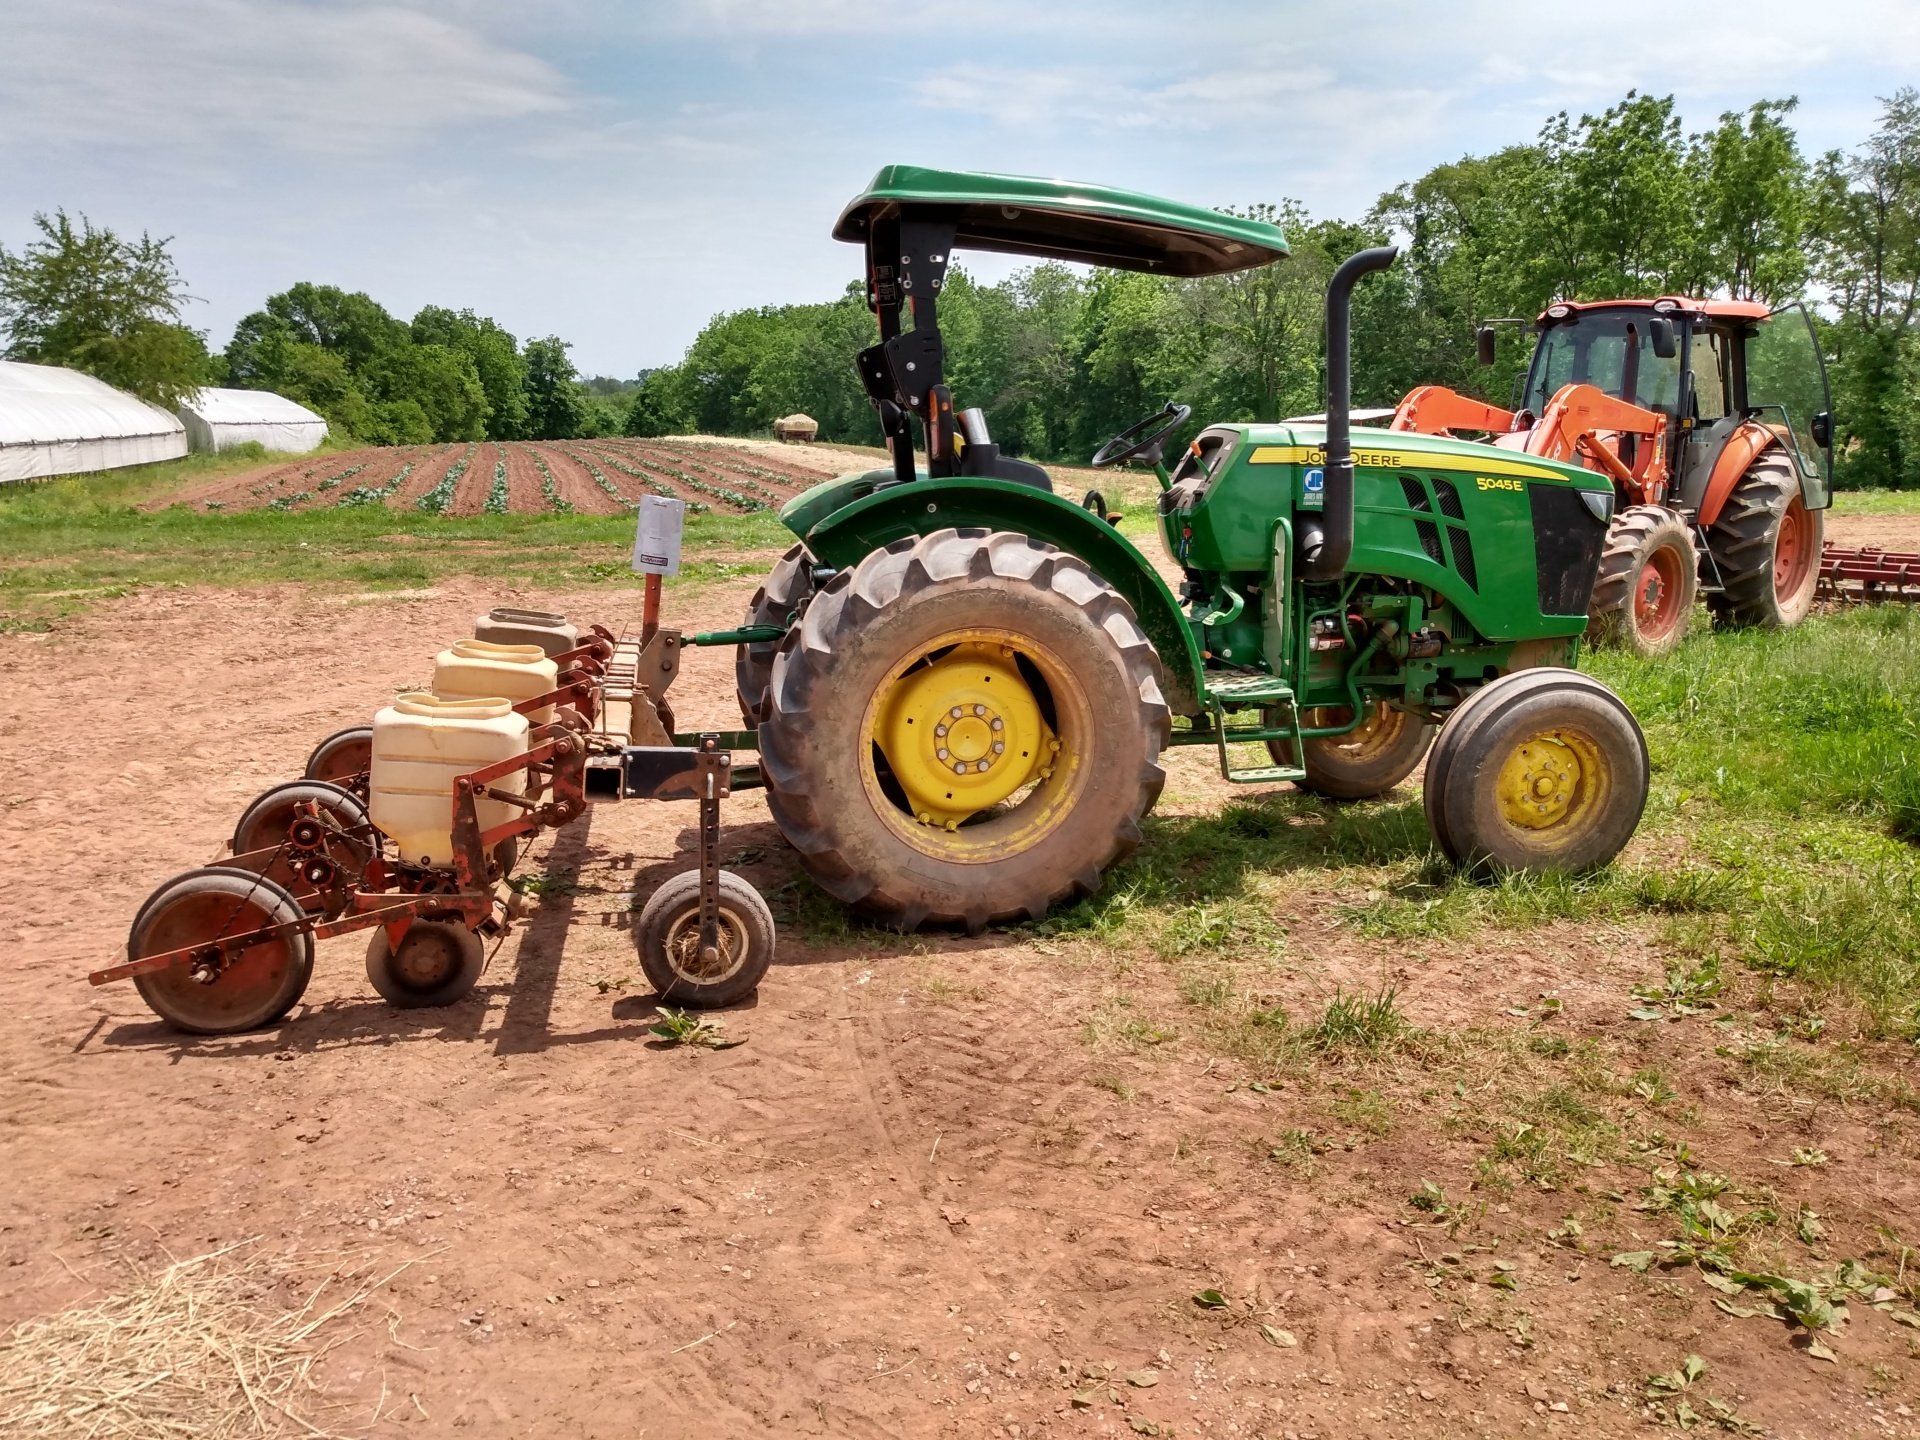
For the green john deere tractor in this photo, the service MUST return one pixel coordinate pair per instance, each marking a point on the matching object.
(963, 682)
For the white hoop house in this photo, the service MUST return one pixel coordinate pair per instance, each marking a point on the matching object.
(61, 422)
(222, 419)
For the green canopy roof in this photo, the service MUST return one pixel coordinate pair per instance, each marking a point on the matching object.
(1063, 220)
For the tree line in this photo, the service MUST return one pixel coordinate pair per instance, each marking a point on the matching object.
(81, 296)
(1617, 204)
(1620, 203)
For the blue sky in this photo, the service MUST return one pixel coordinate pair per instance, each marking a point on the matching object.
(617, 173)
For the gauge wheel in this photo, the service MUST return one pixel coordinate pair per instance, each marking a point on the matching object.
(436, 963)
(965, 729)
(263, 982)
(344, 758)
(267, 824)
(1766, 546)
(1541, 771)
(1649, 575)
(1367, 761)
(669, 939)
(777, 602)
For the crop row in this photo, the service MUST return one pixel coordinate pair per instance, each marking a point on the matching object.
(723, 478)
(652, 482)
(375, 494)
(739, 466)
(287, 502)
(497, 492)
(436, 500)
(547, 486)
(725, 494)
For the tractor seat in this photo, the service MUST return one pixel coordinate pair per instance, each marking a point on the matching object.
(982, 458)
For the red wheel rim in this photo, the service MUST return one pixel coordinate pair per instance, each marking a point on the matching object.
(1792, 550)
(1656, 598)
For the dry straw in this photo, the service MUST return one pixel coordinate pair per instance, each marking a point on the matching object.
(206, 1348)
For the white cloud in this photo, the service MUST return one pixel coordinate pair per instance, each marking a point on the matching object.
(188, 75)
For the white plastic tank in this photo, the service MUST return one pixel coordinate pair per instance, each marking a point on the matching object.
(510, 625)
(421, 743)
(482, 670)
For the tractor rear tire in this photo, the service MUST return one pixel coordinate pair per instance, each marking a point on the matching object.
(1766, 545)
(778, 601)
(1368, 761)
(1036, 674)
(1649, 575)
(1541, 771)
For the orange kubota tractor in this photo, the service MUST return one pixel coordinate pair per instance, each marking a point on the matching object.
(1714, 420)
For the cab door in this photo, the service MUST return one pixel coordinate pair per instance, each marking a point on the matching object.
(1786, 391)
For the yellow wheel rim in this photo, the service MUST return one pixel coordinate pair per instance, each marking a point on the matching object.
(962, 732)
(949, 807)
(1553, 783)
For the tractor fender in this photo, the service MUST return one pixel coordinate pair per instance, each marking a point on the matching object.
(845, 535)
(1746, 444)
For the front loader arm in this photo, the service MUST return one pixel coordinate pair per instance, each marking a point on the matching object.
(1576, 428)
(1436, 410)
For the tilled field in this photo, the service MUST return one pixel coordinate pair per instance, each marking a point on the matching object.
(594, 477)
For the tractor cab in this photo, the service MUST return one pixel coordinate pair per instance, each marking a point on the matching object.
(1708, 366)
(911, 219)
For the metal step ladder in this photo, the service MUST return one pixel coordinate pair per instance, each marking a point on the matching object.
(1226, 693)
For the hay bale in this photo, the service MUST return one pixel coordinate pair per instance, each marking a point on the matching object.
(796, 427)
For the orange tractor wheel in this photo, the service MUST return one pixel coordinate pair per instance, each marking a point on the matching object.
(1649, 575)
(1766, 545)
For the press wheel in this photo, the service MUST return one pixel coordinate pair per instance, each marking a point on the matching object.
(437, 962)
(204, 995)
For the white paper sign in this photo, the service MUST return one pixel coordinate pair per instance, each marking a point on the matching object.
(656, 542)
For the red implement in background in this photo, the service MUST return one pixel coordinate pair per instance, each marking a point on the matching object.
(1868, 575)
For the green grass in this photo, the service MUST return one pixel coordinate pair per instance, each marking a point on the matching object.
(72, 542)
(1877, 502)
(1780, 842)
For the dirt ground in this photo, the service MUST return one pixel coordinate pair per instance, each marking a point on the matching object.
(923, 1198)
(916, 1200)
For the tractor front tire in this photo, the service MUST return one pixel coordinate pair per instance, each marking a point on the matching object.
(1766, 546)
(964, 729)
(1368, 761)
(1649, 575)
(1541, 771)
(784, 594)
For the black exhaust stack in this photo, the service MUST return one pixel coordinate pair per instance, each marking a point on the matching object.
(1326, 539)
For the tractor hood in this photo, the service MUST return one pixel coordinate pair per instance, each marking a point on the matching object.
(1398, 449)
(1063, 220)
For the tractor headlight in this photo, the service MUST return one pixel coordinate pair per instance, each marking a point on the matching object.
(1599, 504)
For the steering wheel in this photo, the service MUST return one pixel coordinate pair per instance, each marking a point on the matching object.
(1142, 441)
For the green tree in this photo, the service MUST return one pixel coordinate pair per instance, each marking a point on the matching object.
(496, 360)
(1751, 206)
(659, 405)
(555, 410)
(83, 297)
(352, 324)
(440, 383)
(1867, 212)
